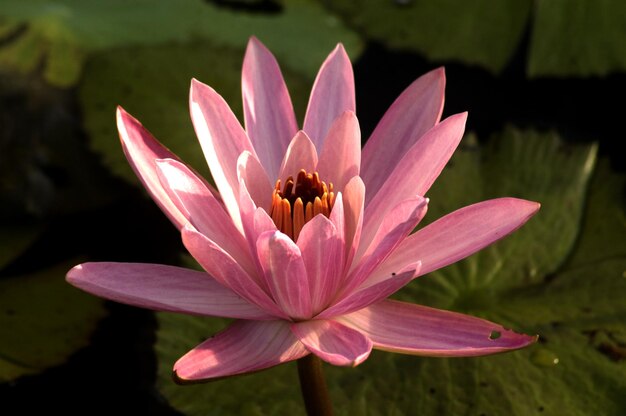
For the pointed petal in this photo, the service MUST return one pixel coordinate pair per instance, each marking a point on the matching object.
(353, 200)
(393, 230)
(414, 329)
(461, 233)
(249, 170)
(413, 113)
(332, 94)
(226, 271)
(333, 342)
(267, 108)
(141, 150)
(322, 253)
(222, 139)
(301, 154)
(162, 288)
(243, 347)
(417, 170)
(285, 273)
(340, 159)
(203, 210)
(372, 291)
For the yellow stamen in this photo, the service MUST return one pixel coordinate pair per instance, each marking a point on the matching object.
(299, 201)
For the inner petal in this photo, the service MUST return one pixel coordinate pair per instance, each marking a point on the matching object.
(299, 201)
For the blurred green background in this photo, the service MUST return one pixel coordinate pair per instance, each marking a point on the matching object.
(543, 82)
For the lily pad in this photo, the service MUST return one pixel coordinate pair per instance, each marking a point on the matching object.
(60, 34)
(152, 83)
(15, 239)
(483, 33)
(581, 38)
(43, 320)
(573, 301)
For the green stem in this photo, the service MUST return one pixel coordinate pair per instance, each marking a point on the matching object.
(313, 386)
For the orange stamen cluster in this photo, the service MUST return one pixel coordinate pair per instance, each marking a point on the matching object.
(300, 201)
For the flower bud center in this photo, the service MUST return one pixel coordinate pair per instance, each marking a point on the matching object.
(299, 201)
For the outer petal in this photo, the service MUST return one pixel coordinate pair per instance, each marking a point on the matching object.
(322, 253)
(419, 330)
(333, 342)
(413, 113)
(243, 347)
(332, 94)
(340, 159)
(267, 108)
(141, 150)
(222, 139)
(226, 271)
(285, 273)
(301, 154)
(371, 292)
(461, 233)
(417, 170)
(401, 221)
(162, 288)
(204, 211)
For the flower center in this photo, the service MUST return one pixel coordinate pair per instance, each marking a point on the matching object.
(300, 201)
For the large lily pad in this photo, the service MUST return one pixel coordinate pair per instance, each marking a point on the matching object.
(579, 38)
(152, 83)
(573, 301)
(60, 34)
(43, 320)
(484, 32)
(582, 38)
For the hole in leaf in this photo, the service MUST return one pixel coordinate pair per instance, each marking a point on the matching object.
(494, 335)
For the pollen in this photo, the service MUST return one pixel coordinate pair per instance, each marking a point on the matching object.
(299, 201)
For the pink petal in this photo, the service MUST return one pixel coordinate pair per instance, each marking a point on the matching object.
(322, 253)
(372, 291)
(353, 200)
(162, 288)
(301, 154)
(461, 233)
(414, 329)
(285, 273)
(226, 271)
(204, 211)
(333, 342)
(332, 94)
(417, 170)
(222, 139)
(340, 159)
(249, 170)
(267, 108)
(243, 347)
(413, 113)
(141, 150)
(338, 218)
(255, 222)
(393, 230)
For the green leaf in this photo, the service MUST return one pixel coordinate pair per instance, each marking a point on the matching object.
(152, 83)
(575, 303)
(580, 38)
(517, 164)
(60, 34)
(15, 239)
(43, 320)
(484, 33)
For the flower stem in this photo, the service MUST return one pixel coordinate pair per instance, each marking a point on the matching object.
(313, 386)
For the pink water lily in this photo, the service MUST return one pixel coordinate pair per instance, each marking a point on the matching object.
(308, 235)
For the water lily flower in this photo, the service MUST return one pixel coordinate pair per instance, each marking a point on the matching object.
(309, 234)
